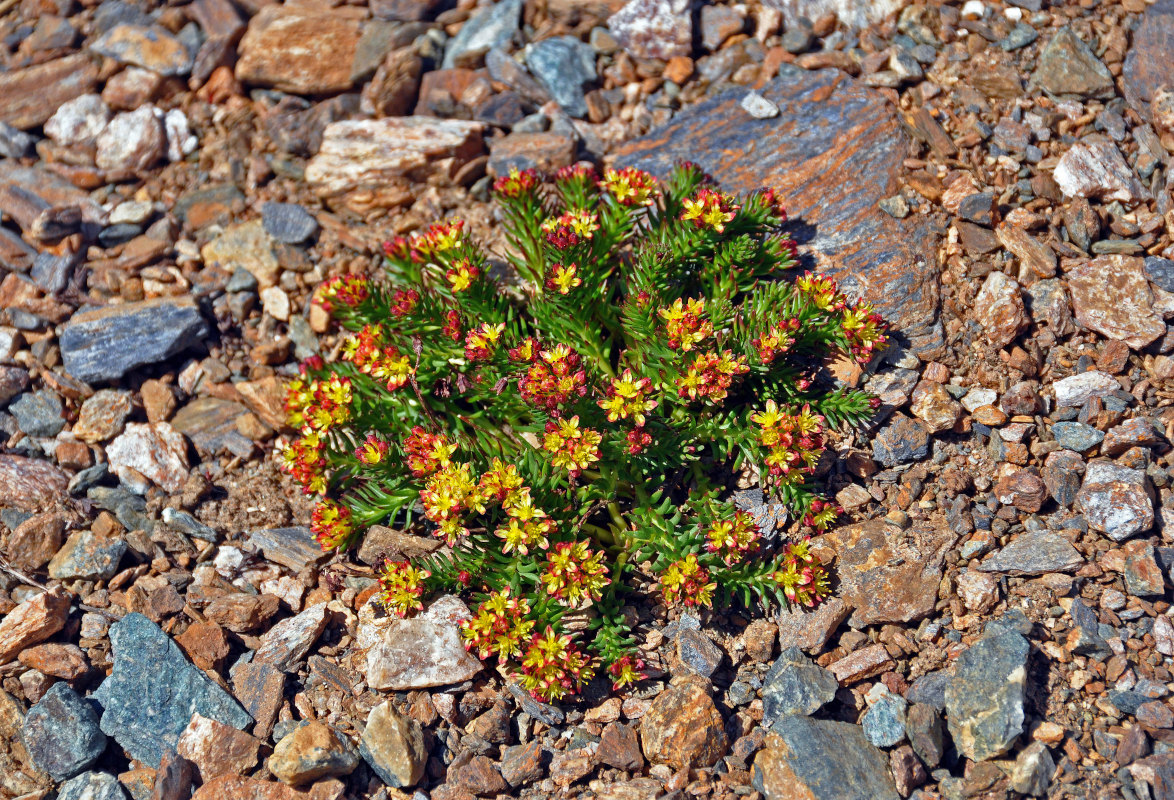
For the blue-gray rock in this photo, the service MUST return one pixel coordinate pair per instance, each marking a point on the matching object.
(15, 143)
(828, 133)
(768, 514)
(1151, 52)
(92, 786)
(288, 222)
(38, 413)
(87, 556)
(926, 732)
(61, 733)
(52, 272)
(147, 46)
(930, 689)
(1069, 68)
(900, 441)
(821, 760)
(884, 721)
(185, 523)
(118, 12)
(1035, 553)
(564, 66)
(1127, 701)
(698, 652)
(290, 547)
(543, 712)
(153, 691)
(1076, 436)
(106, 343)
(984, 701)
(241, 280)
(795, 685)
(490, 27)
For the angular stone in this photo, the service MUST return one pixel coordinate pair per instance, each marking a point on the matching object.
(821, 760)
(32, 622)
(619, 747)
(30, 95)
(934, 406)
(795, 685)
(829, 132)
(926, 733)
(418, 654)
(884, 720)
(1068, 68)
(1112, 296)
(261, 690)
(393, 746)
(1022, 489)
(1076, 390)
(241, 612)
(156, 451)
(300, 49)
(479, 775)
(310, 752)
(378, 157)
(144, 46)
(285, 644)
(1036, 259)
(984, 701)
(218, 749)
(79, 121)
(698, 653)
(105, 343)
(133, 141)
(238, 788)
(211, 424)
(103, 415)
(1076, 436)
(653, 28)
(900, 440)
(91, 786)
(810, 629)
(1143, 576)
(1116, 500)
(38, 413)
(246, 245)
(492, 26)
(87, 556)
(35, 541)
(1094, 167)
(683, 728)
(29, 484)
(290, 547)
(153, 692)
(864, 663)
(381, 543)
(288, 222)
(61, 733)
(564, 66)
(999, 309)
(1035, 553)
(887, 575)
(1148, 63)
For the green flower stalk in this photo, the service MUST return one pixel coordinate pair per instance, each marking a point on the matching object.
(573, 435)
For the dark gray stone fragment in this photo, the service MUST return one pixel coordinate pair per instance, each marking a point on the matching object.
(61, 733)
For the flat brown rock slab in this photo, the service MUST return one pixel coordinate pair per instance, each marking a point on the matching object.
(28, 484)
(29, 96)
(1111, 295)
(886, 574)
(1149, 64)
(834, 150)
(32, 622)
(300, 49)
(378, 158)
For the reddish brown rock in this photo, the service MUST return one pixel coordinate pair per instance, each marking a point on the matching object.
(934, 406)
(886, 574)
(310, 752)
(242, 613)
(1148, 63)
(239, 788)
(1112, 296)
(1022, 489)
(393, 90)
(35, 541)
(861, 664)
(545, 151)
(619, 747)
(218, 749)
(205, 644)
(103, 415)
(65, 661)
(810, 629)
(683, 728)
(999, 309)
(299, 49)
(830, 132)
(265, 398)
(1036, 259)
(157, 452)
(32, 622)
(29, 484)
(260, 689)
(30, 95)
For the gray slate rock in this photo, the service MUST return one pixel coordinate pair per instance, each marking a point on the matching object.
(900, 441)
(698, 652)
(822, 760)
(795, 685)
(15, 143)
(884, 721)
(92, 786)
(490, 27)
(1116, 500)
(106, 343)
(1069, 68)
(1077, 436)
(926, 733)
(1035, 553)
(288, 222)
(154, 690)
(38, 413)
(564, 66)
(61, 733)
(984, 701)
(87, 556)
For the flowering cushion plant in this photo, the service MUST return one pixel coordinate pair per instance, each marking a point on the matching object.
(571, 430)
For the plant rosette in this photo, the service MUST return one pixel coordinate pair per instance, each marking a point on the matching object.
(569, 418)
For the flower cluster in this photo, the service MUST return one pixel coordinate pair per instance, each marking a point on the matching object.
(574, 574)
(794, 442)
(803, 579)
(401, 586)
(687, 582)
(684, 323)
(568, 434)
